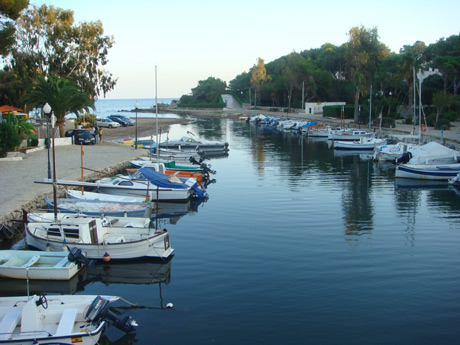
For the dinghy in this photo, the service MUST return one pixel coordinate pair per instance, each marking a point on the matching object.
(60, 319)
(32, 264)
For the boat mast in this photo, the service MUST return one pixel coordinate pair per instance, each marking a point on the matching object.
(54, 169)
(156, 113)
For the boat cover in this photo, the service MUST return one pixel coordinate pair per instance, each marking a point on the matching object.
(161, 180)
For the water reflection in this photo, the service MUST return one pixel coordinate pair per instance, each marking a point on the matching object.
(129, 272)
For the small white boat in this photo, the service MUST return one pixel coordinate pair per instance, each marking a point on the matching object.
(103, 197)
(187, 143)
(97, 240)
(32, 264)
(434, 153)
(114, 208)
(363, 144)
(349, 135)
(428, 171)
(60, 319)
(393, 151)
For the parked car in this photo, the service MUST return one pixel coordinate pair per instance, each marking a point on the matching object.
(81, 136)
(115, 118)
(105, 122)
(125, 118)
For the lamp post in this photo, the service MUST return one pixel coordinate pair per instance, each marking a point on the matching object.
(136, 105)
(47, 111)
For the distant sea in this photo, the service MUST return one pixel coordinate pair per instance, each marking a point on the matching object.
(106, 107)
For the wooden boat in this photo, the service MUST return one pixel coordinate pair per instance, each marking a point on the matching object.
(349, 135)
(187, 143)
(60, 319)
(103, 197)
(32, 264)
(428, 171)
(113, 208)
(97, 240)
(363, 144)
(392, 152)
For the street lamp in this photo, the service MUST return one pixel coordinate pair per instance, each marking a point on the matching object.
(136, 105)
(47, 111)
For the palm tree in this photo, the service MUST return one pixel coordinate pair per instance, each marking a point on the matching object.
(61, 94)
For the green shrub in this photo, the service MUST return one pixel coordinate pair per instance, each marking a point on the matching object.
(9, 138)
(34, 142)
(86, 120)
(336, 111)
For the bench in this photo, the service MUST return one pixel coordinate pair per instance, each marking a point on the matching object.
(33, 260)
(9, 323)
(63, 262)
(67, 322)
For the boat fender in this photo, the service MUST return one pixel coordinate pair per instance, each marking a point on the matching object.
(106, 257)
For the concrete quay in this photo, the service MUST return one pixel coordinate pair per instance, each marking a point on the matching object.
(18, 190)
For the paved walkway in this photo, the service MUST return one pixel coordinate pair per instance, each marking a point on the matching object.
(17, 177)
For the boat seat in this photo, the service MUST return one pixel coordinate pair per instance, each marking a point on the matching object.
(62, 262)
(33, 260)
(9, 323)
(67, 322)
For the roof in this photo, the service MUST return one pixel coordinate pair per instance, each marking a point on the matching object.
(8, 108)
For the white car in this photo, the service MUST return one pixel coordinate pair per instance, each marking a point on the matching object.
(103, 122)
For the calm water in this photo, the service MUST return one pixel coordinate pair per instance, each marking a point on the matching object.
(296, 246)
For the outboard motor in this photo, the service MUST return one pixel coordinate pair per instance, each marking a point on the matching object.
(405, 157)
(75, 255)
(207, 169)
(99, 310)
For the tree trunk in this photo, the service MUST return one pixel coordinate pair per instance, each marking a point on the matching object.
(356, 114)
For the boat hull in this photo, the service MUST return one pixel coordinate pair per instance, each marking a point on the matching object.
(28, 264)
(427, 172)
(156, 246)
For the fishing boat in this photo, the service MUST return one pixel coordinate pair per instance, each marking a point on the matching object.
(428, 171)
(32, 264)
(97, 240)
(188, 143)
(433, 153)
(172, 165)
(92, 207)
(60, 319)
(363, 144)
(349, 135)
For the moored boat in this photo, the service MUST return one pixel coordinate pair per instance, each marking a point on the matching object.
(428, 171)
(32, 264)
(97, 240)
(60, 319)
(363, 144)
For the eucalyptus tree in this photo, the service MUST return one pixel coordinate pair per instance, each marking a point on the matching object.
(63, 95)
(364, 53)
(50, 43)
(412, 60)
(259, 77)
(9, 12)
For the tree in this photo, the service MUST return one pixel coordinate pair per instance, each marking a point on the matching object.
(364, 54)
(49, 43)
(412, 61)
(61, 94)
(9, 11)
(441, 101)
(208, 91)
(258, 77)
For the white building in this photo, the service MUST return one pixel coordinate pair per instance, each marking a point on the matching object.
(317, 108)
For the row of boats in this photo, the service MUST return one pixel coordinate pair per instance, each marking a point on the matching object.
(116, 220)
(431, 161)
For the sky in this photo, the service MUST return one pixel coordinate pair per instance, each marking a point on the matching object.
(189, 41)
